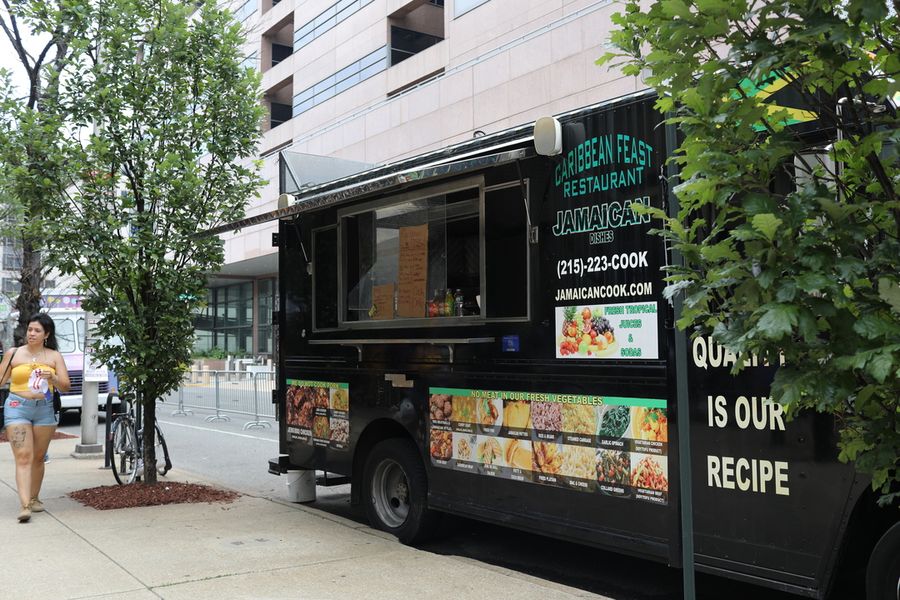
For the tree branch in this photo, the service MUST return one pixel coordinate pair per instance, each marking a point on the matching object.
(15, 38)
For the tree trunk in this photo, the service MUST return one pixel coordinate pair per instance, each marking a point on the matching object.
(29, 301)
(149, 441)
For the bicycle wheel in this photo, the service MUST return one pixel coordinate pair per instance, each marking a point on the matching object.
(124, 452)
(163, 464)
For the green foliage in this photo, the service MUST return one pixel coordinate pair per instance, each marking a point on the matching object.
(34, 144)
(218, 353)
(174, 119)
(215, 353)
(784, 253)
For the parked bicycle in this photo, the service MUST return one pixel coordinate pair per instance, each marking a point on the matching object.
(126, 442)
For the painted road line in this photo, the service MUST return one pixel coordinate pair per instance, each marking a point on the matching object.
(211, 430)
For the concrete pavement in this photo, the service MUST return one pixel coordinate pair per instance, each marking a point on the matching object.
(255, 547)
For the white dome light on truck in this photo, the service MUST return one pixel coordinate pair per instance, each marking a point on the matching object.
(548, 136)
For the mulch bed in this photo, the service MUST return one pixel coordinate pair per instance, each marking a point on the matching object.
(57, 435)
(107, 497)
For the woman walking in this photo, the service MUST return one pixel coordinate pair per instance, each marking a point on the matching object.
(37, 369)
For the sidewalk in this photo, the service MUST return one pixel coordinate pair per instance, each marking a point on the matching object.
(252, 548)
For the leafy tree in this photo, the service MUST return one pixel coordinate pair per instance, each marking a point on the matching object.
(33, 155)
(789, 238)
(174, 117)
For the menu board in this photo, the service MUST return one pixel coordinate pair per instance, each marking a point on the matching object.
(382, 302)
(597, 444)
(318, 413)
(413, 271)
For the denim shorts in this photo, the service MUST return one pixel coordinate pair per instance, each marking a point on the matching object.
(25, 410)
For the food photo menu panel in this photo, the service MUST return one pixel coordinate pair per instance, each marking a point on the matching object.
(601, 444)
(318, 413)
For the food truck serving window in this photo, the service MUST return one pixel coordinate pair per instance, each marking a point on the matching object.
(452, 254)
(416, 256)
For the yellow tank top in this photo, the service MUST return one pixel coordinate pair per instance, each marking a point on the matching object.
(20, 375)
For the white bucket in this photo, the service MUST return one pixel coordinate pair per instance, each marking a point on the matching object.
(301, 485)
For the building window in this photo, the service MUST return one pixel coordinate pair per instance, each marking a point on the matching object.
(226, 322)
(280, 52)
(278, 39)
(415, 27)
(461, 7)
(245, 10)
(12, 261)
(355, 73)
(281, 113)
(326, 20)
(204, 325)
(234, 318)
(405, 43)
(266, 289)
(11, 286)
(251, 61)
(278, 102)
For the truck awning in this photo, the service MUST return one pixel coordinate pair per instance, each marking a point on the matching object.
(300, 171)
(380, 181)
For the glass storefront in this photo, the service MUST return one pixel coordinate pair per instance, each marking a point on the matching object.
(227, 321)
(267, 291)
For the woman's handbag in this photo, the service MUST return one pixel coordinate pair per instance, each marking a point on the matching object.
(4, 391)
(57, 401)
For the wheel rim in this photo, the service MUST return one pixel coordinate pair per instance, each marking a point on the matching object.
(390, 493)
(124, 454)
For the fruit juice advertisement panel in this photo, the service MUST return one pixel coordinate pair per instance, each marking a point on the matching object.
(608, 331)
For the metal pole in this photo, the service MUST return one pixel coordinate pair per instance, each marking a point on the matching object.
(218, 416)
(180, 411)
(683, 398)
(256, 422)
(90, 394)
(684, 461)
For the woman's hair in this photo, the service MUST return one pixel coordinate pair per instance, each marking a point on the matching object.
(49, 327)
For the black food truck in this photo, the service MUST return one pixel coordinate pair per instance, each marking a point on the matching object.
(481, 331)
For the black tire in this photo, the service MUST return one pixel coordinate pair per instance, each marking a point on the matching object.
(883, 570)
(396, 492)
(124, 452)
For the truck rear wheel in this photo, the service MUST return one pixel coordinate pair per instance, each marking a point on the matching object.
(396, 491)
(883, 571)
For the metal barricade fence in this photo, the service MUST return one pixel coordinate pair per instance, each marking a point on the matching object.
(228, 392)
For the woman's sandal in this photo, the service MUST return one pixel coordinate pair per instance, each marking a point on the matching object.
(24, 514)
